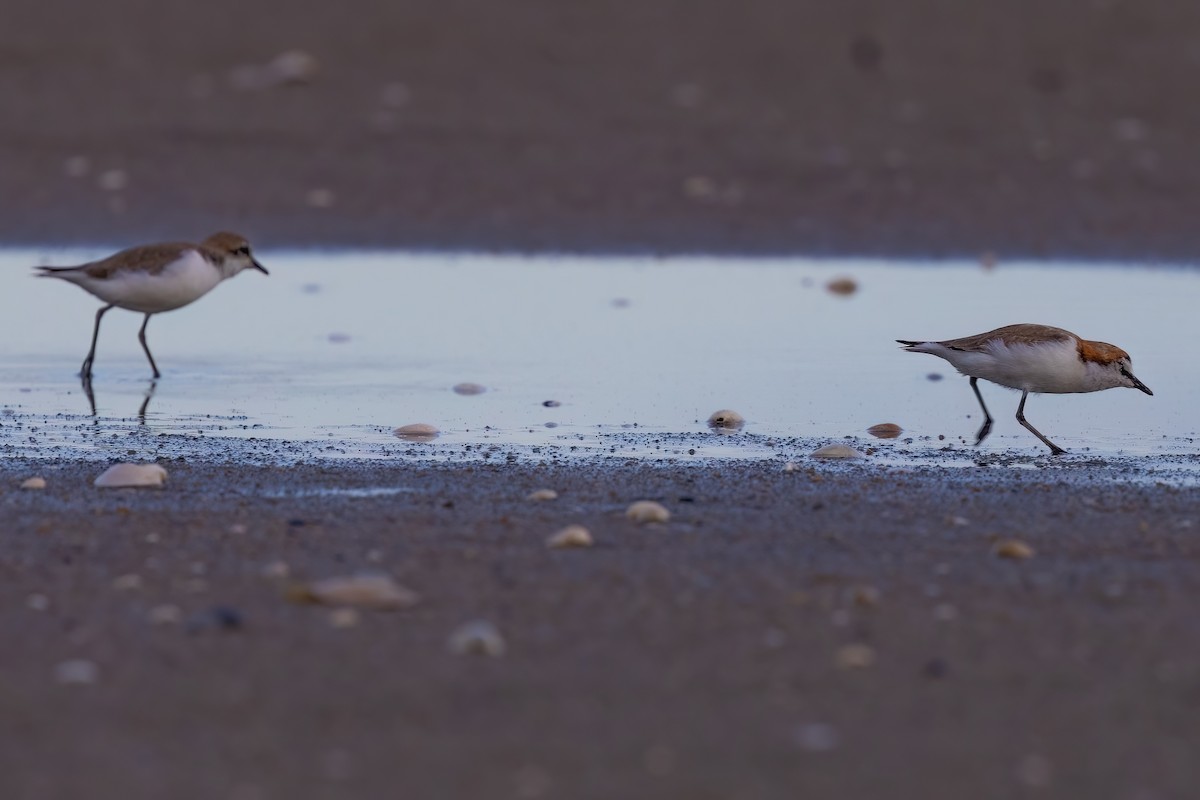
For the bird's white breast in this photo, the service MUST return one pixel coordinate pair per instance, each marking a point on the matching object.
(1053, 367)
(184, 280)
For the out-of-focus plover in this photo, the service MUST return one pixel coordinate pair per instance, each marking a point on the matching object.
(155, 278)
(1033, 358)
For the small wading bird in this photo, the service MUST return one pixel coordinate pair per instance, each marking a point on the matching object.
(1033, 358)
(155, 278)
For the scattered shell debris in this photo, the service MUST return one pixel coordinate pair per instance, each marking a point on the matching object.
(644, 511)
(885, 430)
(541, 495)
(790, 466)
(365, 590)
(855, 656)
(842, 286)
(469, 388)
(479, 638)
(571, 536)
(726, 419)
(836, 451)
(276, 570)
(417, 432)
(34, 483)
(1012, 548)
(77, 671)
(125, 476)
(77, 166)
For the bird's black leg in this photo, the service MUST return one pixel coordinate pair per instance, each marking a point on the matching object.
(85, 371)
(987, 418)
(1055, 450)
(146, 402)
(142, 339)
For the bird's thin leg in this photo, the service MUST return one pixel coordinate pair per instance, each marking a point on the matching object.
(1055, 450)
(86, 370)
(987, 418)
(86, 382)
(142, 339)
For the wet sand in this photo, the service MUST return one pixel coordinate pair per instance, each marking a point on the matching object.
(931, 127)
(700, 660)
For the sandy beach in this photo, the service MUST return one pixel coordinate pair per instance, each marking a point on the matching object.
(837, 630)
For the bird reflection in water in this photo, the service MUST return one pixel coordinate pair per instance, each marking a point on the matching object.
(86, 383)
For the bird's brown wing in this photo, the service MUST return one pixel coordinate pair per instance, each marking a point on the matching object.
(1025, 333)
(150, 258)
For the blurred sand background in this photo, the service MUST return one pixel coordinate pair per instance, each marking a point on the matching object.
(1038, 127)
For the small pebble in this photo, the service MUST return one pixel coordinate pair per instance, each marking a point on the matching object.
(343, 617)
(934, 376)
(338, 338)
(417, 432)
(166, 615)
(319, 198)
(394, 95)
(294, 67)
(790, 466)
(842, 286)
(836, 451)
(551, 403)
(221, 618)
(1012, 548)
(113, 180)
(541, 495)
(726, 419)
(855, 656)
(644, 511)
(1035, 771)
(127, 583)
(469, 388)
(571, 536)
(77, 671)
(120, 476)
(479, 637)
(885, 430)
(77, 166)
(237, 529)
(37, 602)
(276, 570)
(866, 596)
(33, 483)
(816, 737)
(367, 590)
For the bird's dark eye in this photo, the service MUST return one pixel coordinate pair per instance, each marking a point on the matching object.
(244, 250)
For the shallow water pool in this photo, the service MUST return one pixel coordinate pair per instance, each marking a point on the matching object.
(334, 350)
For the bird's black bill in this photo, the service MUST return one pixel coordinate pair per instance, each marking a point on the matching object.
(1139, 385)
(259, 267)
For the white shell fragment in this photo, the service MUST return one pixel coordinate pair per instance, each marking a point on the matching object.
(33, 483)
(726, 419)
(836, 451)
(367, 590)
(644, 511)
(479, 638)
(541, 495)
(120, 476)
(469, 388)
(417, 432)
(571, 536)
